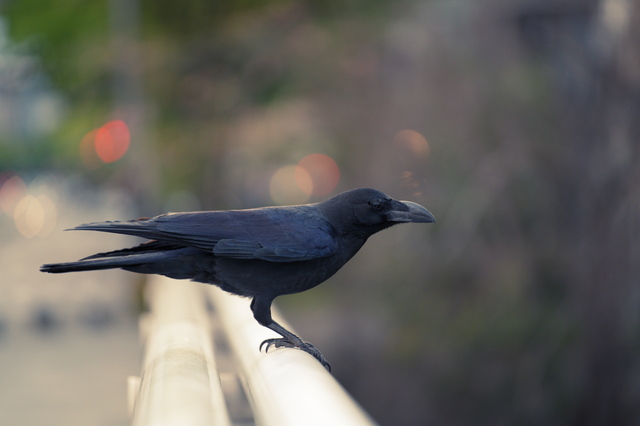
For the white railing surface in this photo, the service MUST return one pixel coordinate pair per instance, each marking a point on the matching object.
(179, 385)
(180, 382)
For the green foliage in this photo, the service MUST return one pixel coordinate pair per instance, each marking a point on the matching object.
(70, 36)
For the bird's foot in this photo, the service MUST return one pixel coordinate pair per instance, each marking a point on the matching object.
(304, 346)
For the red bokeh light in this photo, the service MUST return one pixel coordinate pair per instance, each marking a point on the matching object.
(112, 141)
(324, 173)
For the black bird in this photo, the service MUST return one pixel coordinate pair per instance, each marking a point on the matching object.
(259, 253)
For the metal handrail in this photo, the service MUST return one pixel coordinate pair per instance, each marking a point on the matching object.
(286, 387)
(180, 384)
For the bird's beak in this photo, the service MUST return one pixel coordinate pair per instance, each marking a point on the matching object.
(409, 212)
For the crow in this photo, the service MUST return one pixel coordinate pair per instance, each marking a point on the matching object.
(259, 253)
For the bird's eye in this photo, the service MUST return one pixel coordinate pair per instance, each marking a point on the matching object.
(376, 205)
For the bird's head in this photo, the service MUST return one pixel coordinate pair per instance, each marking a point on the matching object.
(370, 211)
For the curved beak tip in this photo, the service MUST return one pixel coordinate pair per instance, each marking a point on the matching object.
(415, 214)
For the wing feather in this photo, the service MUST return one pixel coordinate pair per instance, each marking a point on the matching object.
(275, 234)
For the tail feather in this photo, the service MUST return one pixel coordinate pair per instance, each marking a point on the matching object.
(139, 227)
(106, 262)
(144, 248)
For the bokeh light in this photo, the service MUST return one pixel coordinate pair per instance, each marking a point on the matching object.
(112, 141)
(35, 216)
(322, 170)
(11, 192)
(314, 175)
(413, 142)
(285, 186)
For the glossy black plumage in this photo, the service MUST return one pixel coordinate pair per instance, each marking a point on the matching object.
(260, 253)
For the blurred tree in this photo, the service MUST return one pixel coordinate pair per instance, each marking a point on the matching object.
(200, 65)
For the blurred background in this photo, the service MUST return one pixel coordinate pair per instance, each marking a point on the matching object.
(517, 123)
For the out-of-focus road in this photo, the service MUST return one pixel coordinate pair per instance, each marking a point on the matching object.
(68, 342)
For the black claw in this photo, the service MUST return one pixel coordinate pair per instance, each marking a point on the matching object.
(304, 346)
(278, 343)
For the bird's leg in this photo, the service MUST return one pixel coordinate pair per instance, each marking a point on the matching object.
(262, 313)
(290, 340)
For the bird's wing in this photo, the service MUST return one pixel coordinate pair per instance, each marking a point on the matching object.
(278, 234)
